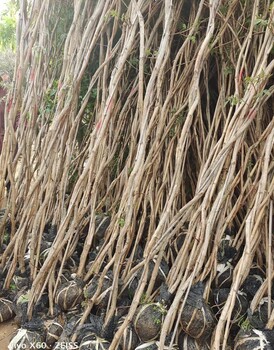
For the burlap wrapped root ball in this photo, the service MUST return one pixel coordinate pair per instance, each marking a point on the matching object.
(129, 339)
(68, 295)
(252, 283)
(26, 340)
(161, 276)
(91, 289)
(93, 342)
(198, 320)
(6, 310)
(154, 345)
(148, 321)
(224, 275)
(220, 297)
(54, 332)
(254, 339)
(185, 342)
(259, 318)
(148, 346)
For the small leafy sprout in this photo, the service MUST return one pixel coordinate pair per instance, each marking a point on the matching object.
(181, 119)
(144, 299)
(134, 62)
(261, 22)
(160, 307)
(111, 14)
(228, 70)
(121, 222)
(233, 100)
(12, 286)
(263, 93)
(24, 298)
(244, 324)
(6, 238)
(84, 303)
(174, 110)
(85, 294)
(148, 52)
(192, 38)
(114, 14)
(250, 165)
(256, 79)
(157, 320)
(124, 17)
(223, 9)
(151, 54)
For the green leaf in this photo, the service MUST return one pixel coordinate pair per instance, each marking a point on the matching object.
(261, 22)
(148, 52)
(121, 222)
(114, 14)
(266, 92)
(12, 286)
(228, 70)
(6, 238)
(233, 100)
(193, 38)
(24, 298)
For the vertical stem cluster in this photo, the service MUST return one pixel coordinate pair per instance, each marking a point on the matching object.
(158, 113)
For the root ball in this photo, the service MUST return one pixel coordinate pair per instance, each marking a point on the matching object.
(92, 342)
(129, 339)
(6, 310)
(148, 321)
(253, 339)
(187, 343)
(198, 321)
(54, 331)
(69, 295)
(25, 339)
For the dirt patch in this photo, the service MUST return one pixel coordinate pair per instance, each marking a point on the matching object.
(6, 331)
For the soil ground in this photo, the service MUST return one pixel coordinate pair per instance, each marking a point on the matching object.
(6, 331)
